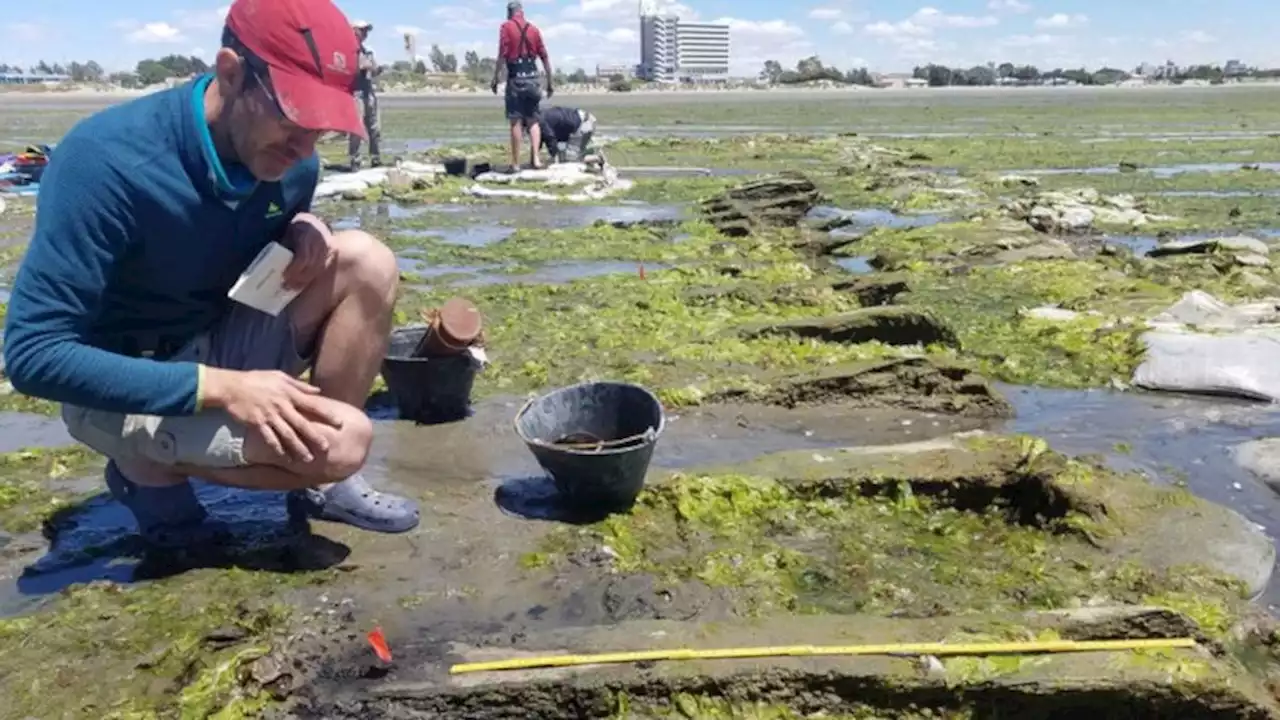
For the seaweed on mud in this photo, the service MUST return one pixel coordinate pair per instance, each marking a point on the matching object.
(791, 693)
(31, 489)
(188, 646)
(1011, 154)
(986, 306)
(1029, 531)
(646, 330)
(698, 241)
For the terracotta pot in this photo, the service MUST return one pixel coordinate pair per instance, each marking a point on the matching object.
(453, 329)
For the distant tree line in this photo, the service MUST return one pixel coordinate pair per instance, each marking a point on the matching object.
(479, 70)
(146, 72)
(79, 72)
(811, 68)
(474, 68)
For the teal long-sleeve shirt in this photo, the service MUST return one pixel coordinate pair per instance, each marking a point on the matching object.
(138, 237)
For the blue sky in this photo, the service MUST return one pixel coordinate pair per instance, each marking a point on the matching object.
(885, 35)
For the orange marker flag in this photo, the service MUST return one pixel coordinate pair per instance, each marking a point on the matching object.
(379, 643)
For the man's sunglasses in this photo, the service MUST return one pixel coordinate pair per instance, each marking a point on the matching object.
(260, 76)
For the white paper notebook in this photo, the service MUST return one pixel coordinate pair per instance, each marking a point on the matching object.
(261, 287)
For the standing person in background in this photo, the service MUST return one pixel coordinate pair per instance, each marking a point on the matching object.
(520, 47)
(366, 99)
(560, 125)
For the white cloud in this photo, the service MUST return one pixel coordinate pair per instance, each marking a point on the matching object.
(825, 13)
(153, 33)
(1062, 21)
(924, 22)
(842, 28)
(407, 30)
(465, 17)
(26, 32)
(623, 9)
(1024, 41)
(564, 30)
(1199, 37)
(202, 19)
(621, 35)
(1011, 6)
(754, 41)
(934, 18)
(892, 31)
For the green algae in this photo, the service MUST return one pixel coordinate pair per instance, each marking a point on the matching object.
(986, 308)
(1234, 181)
(753, 152)
(885, 547)
(671, 190)
(177, 647)
(649, 330)
(16, 402)
(706, 707)
(1214, 615)
(1214, 213)
(1012, 154)
(697, 241)
(30, 491)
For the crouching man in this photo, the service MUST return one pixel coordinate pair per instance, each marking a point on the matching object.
(147, 215)
(567, 128)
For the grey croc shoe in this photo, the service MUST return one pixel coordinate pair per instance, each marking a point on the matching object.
(354, 502)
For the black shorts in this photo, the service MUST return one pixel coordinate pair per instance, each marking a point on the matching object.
(523, 98)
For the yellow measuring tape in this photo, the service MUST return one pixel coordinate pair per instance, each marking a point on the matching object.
(939, 649)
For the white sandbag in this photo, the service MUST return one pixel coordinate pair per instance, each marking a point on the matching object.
(478, 190)
(1203, 311)
(1242, 364)
(559, 174)
(417, 169)
(592, 193)
(332, 186)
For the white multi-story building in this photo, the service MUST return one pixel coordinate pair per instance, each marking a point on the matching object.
(658, 54)
(672, 49)
(702, 50)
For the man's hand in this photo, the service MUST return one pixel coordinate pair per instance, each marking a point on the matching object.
(312, 245)
(494, 87)
(550, 91)
(284, 410)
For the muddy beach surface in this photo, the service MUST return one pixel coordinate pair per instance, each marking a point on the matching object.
(897, 370)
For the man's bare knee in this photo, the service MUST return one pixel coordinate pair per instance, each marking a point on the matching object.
(366, 264)
(348, 448)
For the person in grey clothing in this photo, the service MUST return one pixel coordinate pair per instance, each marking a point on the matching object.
(366, 100)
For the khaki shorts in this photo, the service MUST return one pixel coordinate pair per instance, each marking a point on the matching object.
(245, 339)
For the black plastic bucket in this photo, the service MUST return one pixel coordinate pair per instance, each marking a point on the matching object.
(595, 440)
(427, 390)
(455, 166)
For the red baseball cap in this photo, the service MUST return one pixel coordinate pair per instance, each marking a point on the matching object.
(311, 55)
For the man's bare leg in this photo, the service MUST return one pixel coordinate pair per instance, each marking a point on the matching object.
(346, 315)
(535, 142)
(517, 130)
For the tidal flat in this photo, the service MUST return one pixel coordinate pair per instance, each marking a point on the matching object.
(894, 335)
